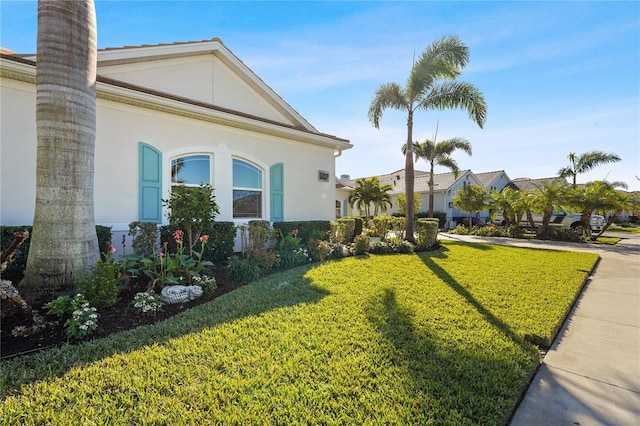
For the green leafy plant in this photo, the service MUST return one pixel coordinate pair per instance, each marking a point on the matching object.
(191, 209)
(147, 303)
(101, 288)
(243, 270)
(83, 321)
(64, 305)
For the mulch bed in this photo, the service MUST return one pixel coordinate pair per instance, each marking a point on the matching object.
(114, 319)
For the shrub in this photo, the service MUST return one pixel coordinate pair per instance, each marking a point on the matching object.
(346, 229)
(361, 244)
(101, 289)
(318, 250)
(207, 283)
(265, 258)
(104, 240)
(382, 225)
(192, 209)
(147, 303)
(490, 230)
(399, 226)
(291, 259)
(339, 250)
(83, 321)
(460, 230)
(514, 231)
(222, 237)
(144, 238)
(564, 233)
(243, 270)
(427, 233)
(316, 229)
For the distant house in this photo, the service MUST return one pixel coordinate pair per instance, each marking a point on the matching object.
(177, 114)
(528, 185)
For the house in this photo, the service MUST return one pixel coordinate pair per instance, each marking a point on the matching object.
(445, 187)
(177, 114)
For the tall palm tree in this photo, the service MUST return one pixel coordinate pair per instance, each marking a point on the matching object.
(431, 85)
(585, 162)
(64, 243)
(439, 154)
(382, 199)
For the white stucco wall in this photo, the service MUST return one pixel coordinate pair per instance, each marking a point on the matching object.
(119, 130)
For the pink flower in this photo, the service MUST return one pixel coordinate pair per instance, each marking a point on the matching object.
(112, 249)
(294, 233)
(204, 238)
(161, 255)
(177, 235)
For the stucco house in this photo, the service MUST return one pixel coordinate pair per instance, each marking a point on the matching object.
(177, 114)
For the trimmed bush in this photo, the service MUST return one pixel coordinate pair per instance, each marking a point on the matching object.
(427, 232)
(318, 229)
(382, 225)
(144, 237)
(361, 244)
(222, 237)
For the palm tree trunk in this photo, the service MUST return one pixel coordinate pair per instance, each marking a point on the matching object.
(64, 244)
(431, 183)
(409, 179)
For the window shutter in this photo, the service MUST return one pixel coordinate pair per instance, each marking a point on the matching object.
(344, 208)
(149, 184)
(277, 192)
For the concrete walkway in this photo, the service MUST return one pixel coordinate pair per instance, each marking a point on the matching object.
(591, 374)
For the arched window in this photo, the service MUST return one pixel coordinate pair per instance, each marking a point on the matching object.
(191, 170)
(338, 209)
(247, 190)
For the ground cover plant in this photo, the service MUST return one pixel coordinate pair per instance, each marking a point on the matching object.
(439, 337)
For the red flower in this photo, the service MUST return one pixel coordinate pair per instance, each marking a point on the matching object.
(112, 249)
(294, 233)
(177, 235)
(204, 238)
(161, 255)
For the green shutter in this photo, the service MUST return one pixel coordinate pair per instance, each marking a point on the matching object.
(344, 208)
(277, 192)
(149, 184)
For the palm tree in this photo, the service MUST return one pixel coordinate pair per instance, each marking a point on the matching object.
(369, 191)
(439, 154)
(545, 198)
(431, 85)
(585, 162)
(64, 243)
(382, 199)
(593, 197)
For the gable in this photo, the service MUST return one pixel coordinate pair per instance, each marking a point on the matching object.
(202, 71)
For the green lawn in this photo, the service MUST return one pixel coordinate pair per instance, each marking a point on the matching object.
(431, 338)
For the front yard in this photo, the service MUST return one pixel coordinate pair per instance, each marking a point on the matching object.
(439, 337)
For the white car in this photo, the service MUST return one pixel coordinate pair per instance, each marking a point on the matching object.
(559, 218)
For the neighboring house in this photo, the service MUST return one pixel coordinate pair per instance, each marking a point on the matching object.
(177, 114)
(343, 208)
(493, 181)
(445, 188)
(528, 185)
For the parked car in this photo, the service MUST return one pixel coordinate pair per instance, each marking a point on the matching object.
(560, 218)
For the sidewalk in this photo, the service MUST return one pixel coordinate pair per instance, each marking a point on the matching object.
(591, 374)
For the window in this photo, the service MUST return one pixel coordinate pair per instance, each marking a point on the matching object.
(338, 209)
(191, 170)
(323, 176)
(247, 190)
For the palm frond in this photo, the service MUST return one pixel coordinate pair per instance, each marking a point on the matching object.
(591, 159)
(456, 95)
(388, 95)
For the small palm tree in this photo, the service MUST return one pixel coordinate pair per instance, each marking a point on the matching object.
(439, 154)
(545, 198)
(368, 191)
(585, 162)
(431, 85)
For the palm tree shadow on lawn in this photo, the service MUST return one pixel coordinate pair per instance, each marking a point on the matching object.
(273, 292)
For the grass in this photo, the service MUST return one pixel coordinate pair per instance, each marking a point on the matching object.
(624, 229)
(434, 338)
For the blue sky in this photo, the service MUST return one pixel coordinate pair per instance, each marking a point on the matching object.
(558, 77)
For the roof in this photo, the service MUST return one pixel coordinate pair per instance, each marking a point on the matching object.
(441, 181)
(22, 68)
(528, 185)
(487, 178)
